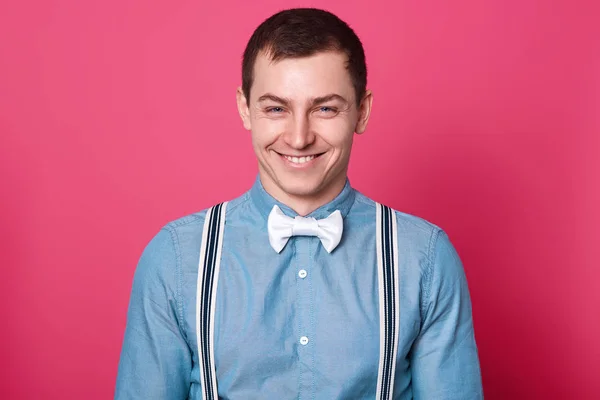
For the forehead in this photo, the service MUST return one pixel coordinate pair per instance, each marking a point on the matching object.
(303, 77)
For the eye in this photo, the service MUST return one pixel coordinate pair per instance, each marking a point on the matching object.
(275, 110)
(326, 109)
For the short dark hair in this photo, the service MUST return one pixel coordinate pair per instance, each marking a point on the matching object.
(302, 32)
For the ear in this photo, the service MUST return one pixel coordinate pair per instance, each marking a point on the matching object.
(242, 105)
(364, 112)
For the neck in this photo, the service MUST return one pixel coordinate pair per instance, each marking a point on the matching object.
(305, 204)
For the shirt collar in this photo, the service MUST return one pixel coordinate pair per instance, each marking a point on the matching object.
(265, 202)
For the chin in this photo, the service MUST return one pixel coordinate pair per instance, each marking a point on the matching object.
(300, 188)
(299, 184)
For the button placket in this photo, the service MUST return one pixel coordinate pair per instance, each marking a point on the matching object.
(305, 248)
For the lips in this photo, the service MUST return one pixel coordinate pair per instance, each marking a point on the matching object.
(300, 160)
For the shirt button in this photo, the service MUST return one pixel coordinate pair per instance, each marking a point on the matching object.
(302, 274)
(303, 340)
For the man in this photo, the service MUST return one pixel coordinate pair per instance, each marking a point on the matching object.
(302, 287)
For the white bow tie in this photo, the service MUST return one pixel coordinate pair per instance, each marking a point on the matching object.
(282, 228)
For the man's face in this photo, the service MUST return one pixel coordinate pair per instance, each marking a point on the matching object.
(303, 114)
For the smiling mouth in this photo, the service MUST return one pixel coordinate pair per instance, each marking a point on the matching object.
(300, 160)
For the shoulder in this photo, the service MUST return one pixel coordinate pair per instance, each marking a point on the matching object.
(193, 223)
(424, 247)
(413, 231)
(426, 253)
(182, 236)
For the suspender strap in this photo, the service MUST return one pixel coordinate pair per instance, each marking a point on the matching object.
(208, 277)
(389, 305)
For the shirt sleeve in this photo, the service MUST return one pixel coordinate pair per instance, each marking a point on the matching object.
(155, 359)
(444, 359)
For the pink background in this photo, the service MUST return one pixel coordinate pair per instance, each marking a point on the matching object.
(119, 116)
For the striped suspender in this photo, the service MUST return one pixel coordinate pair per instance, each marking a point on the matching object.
(389, 306)
(208, 277)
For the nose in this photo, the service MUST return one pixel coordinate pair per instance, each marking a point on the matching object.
(299, 135)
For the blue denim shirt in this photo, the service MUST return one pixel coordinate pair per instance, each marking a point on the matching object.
(265, 305)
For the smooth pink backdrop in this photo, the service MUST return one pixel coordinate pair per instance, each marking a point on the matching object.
(119, 116)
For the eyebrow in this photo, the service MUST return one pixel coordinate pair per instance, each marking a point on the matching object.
(329, 97)
(273, 98)
(315, 101)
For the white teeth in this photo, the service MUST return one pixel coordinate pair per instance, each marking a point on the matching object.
(299, 160)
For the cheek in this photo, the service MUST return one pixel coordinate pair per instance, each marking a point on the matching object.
(264, 132)
(337, 132)
(266, 126)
